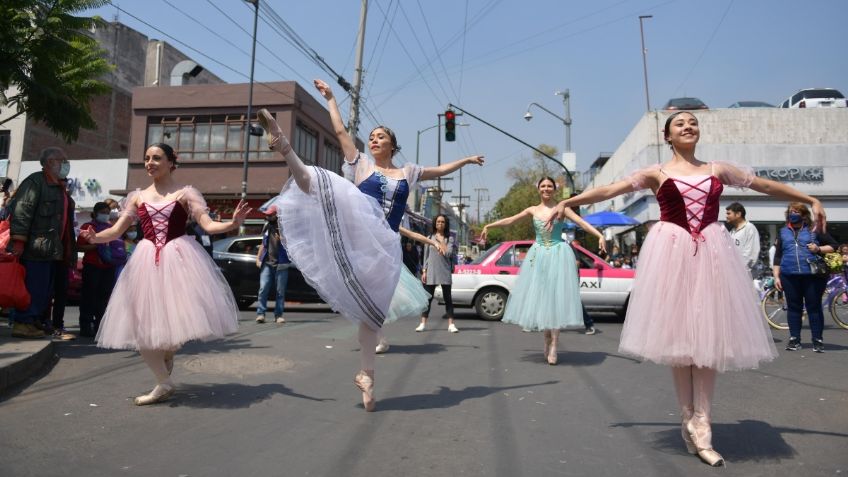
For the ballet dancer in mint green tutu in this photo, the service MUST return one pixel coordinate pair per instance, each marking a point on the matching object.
(546, 295)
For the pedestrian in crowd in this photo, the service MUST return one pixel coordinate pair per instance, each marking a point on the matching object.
(410, 257)
(634, 255)
(6, 191)
(438, 269)
(615, 254)
(274, 264)
(323, 215)
(744, 234)
(171, 291)
(130, 240)
(99, 265)
(843, 249)
(546, 294)
(799, 244)
(697, 324)
(114, 209)
(627, 263)
(41, 234)
(55, 313)
(772, 251)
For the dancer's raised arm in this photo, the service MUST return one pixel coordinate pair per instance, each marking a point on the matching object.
(524, 214)
(445, 169)
(348, 146)
(590, 196)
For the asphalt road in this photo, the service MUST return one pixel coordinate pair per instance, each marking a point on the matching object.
(279, 401)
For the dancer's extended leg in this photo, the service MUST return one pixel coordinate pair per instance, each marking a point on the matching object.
(703, 386)
(683, 388)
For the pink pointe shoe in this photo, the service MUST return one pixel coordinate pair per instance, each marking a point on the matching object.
(160, 393)
(364, 380)
(273, 133)
(686, 416)
(701, 434)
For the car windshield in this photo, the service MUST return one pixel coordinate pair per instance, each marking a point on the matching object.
(680, 102)
(822, 94)
(483, 256)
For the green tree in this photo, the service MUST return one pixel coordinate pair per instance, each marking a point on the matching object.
(523, 194)
(50, 61)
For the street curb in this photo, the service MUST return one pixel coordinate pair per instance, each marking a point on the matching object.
(32, 360)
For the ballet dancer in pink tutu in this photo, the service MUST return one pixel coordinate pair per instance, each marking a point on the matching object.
(692, 306)
(344, 233)
(170, 291)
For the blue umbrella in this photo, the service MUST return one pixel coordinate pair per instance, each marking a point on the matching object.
(608, 218)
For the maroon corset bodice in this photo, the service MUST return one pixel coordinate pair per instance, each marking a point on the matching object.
(693, 204)
(161, 223)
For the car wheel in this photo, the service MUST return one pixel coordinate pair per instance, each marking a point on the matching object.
(622, 313)
(244, 303)
(491, 303)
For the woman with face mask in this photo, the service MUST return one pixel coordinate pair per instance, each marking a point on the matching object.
(798, 245)
(98, 271)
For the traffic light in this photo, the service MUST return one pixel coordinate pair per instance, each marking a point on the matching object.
(450, 126)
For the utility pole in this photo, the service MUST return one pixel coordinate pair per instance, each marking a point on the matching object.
(353, 125)
(461, 206)
(645, 61)
(247, 126)
(481, 192)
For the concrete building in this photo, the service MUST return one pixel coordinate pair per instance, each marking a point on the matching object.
(206, 126)
(805, 148)
(138, 61)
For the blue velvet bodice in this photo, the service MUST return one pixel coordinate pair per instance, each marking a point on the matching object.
(390, 193)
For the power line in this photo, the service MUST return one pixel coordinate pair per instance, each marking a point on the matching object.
(712, 36)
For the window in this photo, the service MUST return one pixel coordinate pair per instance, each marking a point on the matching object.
(248, 246)
(5, 140)
(332, 157)
(305, 143)
(201, 138)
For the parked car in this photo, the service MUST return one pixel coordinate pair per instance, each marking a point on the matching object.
(816, 98)
(751, 104)
(675, 104)
(485, 283)
(236, 258)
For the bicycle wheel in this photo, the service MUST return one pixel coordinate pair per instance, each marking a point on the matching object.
(839, 308)
(774, 309)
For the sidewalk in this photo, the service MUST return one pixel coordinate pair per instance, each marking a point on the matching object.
(21, 358)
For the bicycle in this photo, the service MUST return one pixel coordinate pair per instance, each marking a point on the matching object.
(835, 300)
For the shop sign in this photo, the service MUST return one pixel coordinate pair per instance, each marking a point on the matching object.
(791, 174)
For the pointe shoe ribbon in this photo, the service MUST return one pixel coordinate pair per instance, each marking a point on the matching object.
(160, 393)
(364, 380)
(701, 436)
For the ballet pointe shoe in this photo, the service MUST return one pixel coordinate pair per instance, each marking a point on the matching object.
(548, 340)
(273, 133)
(686, 416)
(160, 393)
(701, 435)
(364, 380)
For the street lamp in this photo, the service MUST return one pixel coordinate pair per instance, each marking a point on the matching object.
(645, 61)
(566, 121)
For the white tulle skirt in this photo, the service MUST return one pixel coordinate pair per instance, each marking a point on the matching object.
(693, 303)
(162, 306)
(340, 241)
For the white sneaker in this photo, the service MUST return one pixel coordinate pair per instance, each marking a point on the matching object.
(382, 347)
(420, 327)
(590, 330)
(280, 320)
(260, 318)
(452, 328)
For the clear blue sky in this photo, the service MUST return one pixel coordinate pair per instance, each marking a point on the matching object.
(501, 55)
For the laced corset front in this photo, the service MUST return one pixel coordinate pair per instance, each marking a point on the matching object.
(692, 202)
(546, 238)
(161, 223)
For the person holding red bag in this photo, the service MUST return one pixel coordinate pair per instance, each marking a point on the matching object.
(42, 236)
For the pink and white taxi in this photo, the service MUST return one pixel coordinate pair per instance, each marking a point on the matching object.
(485, 283)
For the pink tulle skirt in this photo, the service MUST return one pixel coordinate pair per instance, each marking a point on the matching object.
(693, 303)
(163, 306)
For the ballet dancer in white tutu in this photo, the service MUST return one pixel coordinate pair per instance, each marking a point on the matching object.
(344, 234)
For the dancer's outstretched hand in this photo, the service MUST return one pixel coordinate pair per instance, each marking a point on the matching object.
(324, 89)
(557, 214)
(484, 234)
(478, 159)
(88, 234)
(241, 212)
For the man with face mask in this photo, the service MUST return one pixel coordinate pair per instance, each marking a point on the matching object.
(42, 237)
(98, 271)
